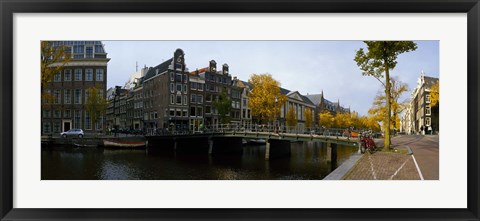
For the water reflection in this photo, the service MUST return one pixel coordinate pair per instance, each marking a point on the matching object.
(308, 160)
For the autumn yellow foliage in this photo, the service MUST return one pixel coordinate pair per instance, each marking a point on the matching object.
(308, 117)
(435, 94)
(265, 99)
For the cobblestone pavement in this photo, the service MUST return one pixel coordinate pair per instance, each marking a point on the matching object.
(384, 166)
(400, 166)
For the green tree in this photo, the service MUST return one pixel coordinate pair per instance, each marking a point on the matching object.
(377, 62)
(291, 117)
(265, 98)
(223, 106)
(308, 117)
(95, 104)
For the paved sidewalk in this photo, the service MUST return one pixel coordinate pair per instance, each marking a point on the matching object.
(384, 166)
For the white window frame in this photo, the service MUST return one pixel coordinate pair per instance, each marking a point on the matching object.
(99, 72)
(428, 110)
(69, 72)
(75, 75)
(88, 71)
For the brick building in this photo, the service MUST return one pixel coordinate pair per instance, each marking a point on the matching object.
(87, 68)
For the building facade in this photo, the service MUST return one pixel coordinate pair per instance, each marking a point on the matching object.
(423, 118)
(300, 104)
(86, 68)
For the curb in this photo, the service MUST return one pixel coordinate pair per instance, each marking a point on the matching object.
(343, 169)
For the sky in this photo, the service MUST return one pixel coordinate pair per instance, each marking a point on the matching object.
(308, 67)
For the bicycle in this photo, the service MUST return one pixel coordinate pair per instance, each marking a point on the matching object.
(367, 143)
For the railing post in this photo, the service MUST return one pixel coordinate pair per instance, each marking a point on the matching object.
(267, 149)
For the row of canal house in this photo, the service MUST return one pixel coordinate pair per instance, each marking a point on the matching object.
(170, 96)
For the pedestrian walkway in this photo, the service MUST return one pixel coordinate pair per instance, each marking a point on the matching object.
(423, 164)
(384, 166)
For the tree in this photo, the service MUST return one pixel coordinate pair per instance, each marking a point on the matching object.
(377, 62)
(53, 60)
(435, 94)
(95, 104)
(343, 120)
(326, 119)
(291, 117)
(265, 98)
(223, 106)
(308, 118)
(379, 109)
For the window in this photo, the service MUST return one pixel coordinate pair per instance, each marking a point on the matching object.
(208, 110)
(244, 102)
(57, 77)
(56, 113)
(76, 121)
(200, 87)
(78, 74)
(66, 114)
(193, 98)
(88, 122)
(428, 99)
(185, 79)
(178, 78)
(244, 113)
(78, 96)
(78, 49)
(89, 52)
(192, 111)
(99, 75)
(172, 88)
(185, 113)
(89, 74)
(178, 66)
(57, 97)
(184, 88)
(99, 49)
(428, 121)
(46, 127)
(46, 113)
(99, 124)
(199, 111)
(172, 99)
(67, 75)
(185, 99)
(172, 112)
(428, 110)
(200, 99)
(171, 76)
(179, 99)
(178, 113)
(179, 87)
(193, 86)
(56, 127)
(155, 114)
(208, 98)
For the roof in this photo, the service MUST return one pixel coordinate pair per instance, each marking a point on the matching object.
(315, 98)
(429, 81)
(161, 68)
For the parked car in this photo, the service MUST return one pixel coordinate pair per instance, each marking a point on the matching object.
(73, 133)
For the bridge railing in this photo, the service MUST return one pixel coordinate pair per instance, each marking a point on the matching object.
(233, 128)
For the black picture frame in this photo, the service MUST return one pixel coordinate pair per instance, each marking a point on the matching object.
(9, 7)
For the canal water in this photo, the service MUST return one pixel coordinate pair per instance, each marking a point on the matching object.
(308, 161)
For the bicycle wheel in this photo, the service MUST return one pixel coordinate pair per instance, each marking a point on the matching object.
(362, 148)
